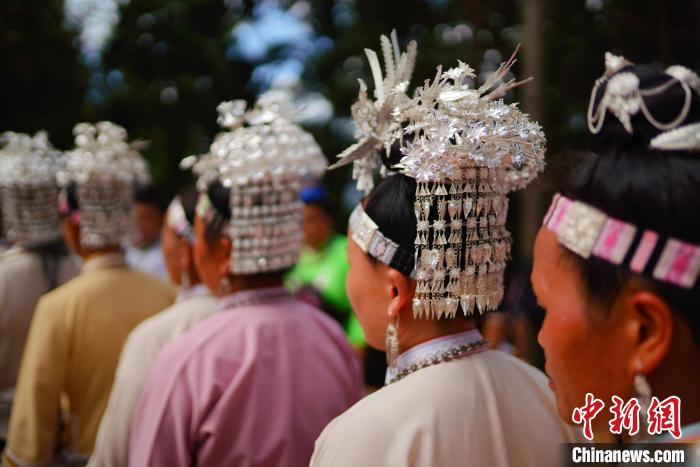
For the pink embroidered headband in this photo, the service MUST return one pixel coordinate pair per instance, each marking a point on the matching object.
(588, 231)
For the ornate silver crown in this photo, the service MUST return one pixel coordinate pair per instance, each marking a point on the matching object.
(28, 166)
(624, 98)
(262, 159)
(466, 149)
(104, 167)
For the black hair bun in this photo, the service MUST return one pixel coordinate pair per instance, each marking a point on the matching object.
(392, 158)
(663, 96)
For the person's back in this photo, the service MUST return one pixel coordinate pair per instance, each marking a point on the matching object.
(24, 277)
(98, 328)
(23, 281)
(256, 383)
(253, 385)
(78, 330)
(39, 260)
(486, 409)
(73, 349)
(427, 248)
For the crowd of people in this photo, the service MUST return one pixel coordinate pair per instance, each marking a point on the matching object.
(235, 325)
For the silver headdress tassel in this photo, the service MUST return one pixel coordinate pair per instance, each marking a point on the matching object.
(624, 98)
(28, 166)
(104, 168)
(467, 149)
(262, 159)
(378, 121)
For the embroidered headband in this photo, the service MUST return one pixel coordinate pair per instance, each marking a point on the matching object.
(177, 220)
(366, 234)
(588, 232)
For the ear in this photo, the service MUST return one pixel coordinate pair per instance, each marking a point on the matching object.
(223, 255)
(400, 290)
(650, 328)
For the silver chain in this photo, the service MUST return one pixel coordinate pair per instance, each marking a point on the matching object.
(454, 353)
(253, 299)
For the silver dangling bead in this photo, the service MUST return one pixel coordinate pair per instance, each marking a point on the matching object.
(643, 390)
(224, 286)
(391, 344)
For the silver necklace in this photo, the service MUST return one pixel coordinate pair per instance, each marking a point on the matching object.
(253, 297)
(448, 355)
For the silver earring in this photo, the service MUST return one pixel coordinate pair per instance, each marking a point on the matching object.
(224, 286)
(391, 344)
(643, 390)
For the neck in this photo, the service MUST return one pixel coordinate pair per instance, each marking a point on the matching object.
(678, 376)
(257, 281)
(413, 332)
(687, 391)
(144, 245)
(89, 254)
(192, 275)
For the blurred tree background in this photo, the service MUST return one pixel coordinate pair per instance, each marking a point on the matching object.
(160, 67)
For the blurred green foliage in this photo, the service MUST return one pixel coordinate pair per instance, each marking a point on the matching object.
(166, 67)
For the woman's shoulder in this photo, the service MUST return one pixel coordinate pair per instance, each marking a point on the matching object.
(445, 411)
(350, 439)
(449, 390)
(384, 411)
(511, 366)
(430, 385)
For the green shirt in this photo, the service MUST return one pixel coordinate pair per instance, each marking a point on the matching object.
(325, 271)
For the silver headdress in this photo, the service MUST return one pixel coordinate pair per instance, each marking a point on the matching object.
(589, 232)
(28, 166)
(466, 150)
(379, 121)
(104, 168)
(624, 98)
(262, 160)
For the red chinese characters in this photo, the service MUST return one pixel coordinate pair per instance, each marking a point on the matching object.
(625, 416)
(665, 416)
(587, 413)
(662, 416)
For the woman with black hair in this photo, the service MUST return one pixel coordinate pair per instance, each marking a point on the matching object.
(427, 251)
(616, 263)
(39, 261)
(194, 303)
(256, 383)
